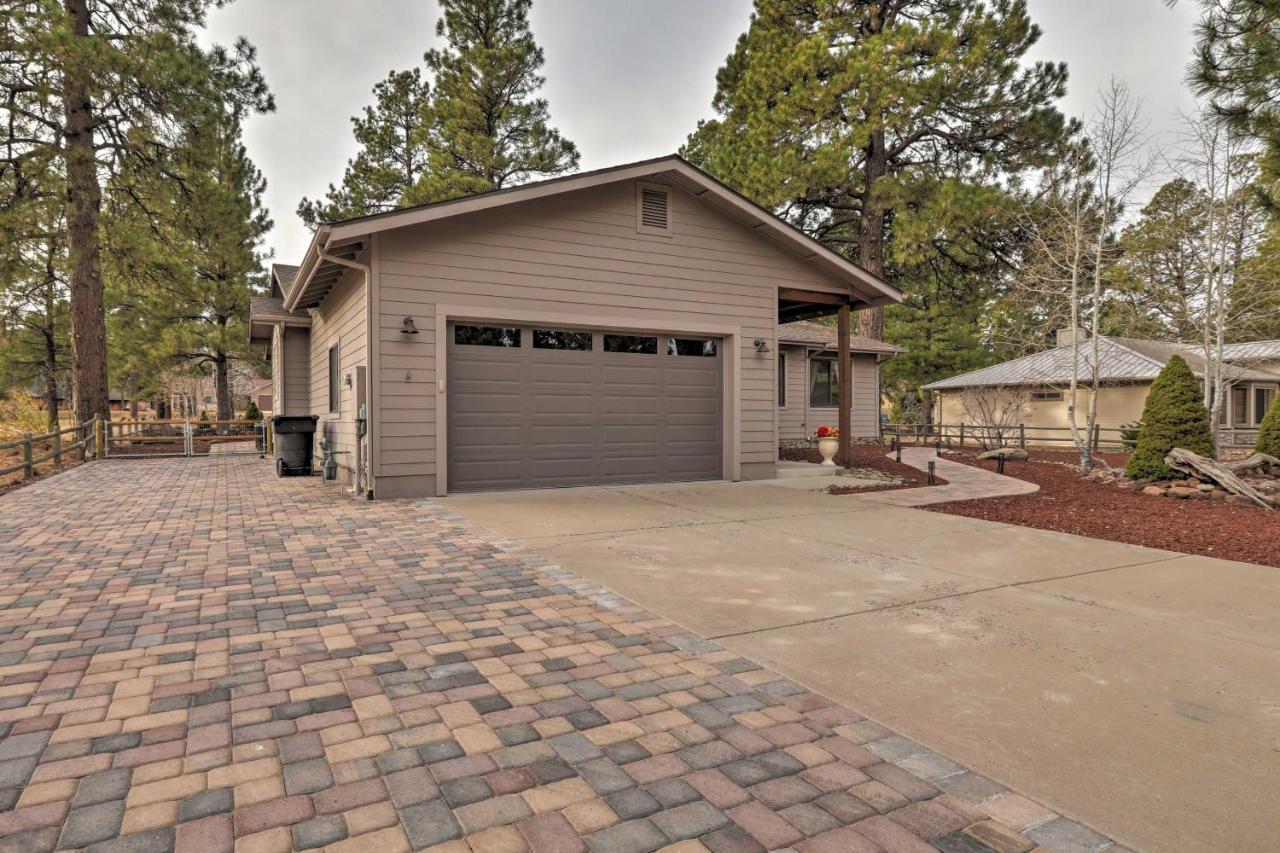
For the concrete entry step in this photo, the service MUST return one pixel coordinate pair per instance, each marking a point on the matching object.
(787, 470)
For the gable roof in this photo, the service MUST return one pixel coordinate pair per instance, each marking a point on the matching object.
(266, 311)
(1119, 359)
(345, 238)
(808, 332)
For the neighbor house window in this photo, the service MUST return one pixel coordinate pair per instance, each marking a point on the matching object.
(556, 339)
(486, 336)
(333, 379)
(1262, 398)
(691, 346)
(1046, 395)
(1239, 406)
(782, 380)
(824, 390)
(638, 344)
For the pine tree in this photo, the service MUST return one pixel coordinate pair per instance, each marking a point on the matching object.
(1173, 416)
(1237, 65)
(393, 156)
(847, 115)
(486, 128)
(1269, 433)
(105, 86)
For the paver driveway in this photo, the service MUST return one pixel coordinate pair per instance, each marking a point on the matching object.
(194, 654)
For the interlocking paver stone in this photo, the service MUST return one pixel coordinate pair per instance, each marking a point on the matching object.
(227, 659)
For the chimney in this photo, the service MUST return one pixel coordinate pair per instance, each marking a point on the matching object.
(1067, 337)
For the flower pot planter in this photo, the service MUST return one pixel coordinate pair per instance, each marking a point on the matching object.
(828, 447)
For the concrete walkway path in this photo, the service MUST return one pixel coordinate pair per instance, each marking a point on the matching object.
(964, 482)
(1130, 688)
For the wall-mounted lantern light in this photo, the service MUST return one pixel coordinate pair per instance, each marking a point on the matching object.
(762, 346)
(409, 328)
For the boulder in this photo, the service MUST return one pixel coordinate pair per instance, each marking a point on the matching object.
(1007, 452)
(1183, 492)
(1154, 491)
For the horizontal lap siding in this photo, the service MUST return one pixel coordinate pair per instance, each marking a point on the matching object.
(576, 254)
(297, 372)
(340, 319)
(798, 420)
(277, 370)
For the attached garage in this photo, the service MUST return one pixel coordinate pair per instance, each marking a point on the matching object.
(537, 406)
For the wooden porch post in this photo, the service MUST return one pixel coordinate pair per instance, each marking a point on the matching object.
(844, 378)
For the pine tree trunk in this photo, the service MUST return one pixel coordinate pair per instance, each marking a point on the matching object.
(871, 232)
(222, 389)
(83, 205)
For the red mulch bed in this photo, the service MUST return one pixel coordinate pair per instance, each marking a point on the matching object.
(871, 456)
(1070, 504)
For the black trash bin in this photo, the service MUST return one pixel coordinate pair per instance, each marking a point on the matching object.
(293, 437)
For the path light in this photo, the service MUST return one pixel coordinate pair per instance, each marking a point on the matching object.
(409, 328)
(931, 477)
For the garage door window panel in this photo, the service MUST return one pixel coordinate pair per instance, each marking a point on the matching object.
(699, 347)
(631, 344)
(557, 339)
(487, 336)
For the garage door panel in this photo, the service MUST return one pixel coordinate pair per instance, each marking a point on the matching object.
(576, 417)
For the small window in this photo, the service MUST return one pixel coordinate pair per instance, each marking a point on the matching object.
(782, 380)
(1239, 406)
(486, 336)
(691, 346)
(1262, 398)
(824, 386)
(1046, 395)
(653, 209)
(556, 339)
(333, 379)
(637, 344)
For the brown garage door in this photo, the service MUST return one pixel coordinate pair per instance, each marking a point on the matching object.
(538, 406)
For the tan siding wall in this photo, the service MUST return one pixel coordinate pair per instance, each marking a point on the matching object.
(1117, 405)
(297, 372)
(578, 253)
(341, 320)
(797, 421)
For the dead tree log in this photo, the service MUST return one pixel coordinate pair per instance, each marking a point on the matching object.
(1258, 463)
(1208, 469)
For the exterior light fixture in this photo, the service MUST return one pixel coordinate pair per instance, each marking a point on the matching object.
(762, 346)
(409, 328)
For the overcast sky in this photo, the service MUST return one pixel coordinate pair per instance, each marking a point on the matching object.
(627, 79)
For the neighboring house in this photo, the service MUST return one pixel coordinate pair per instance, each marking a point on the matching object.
(262, 394)
(807, 399)
(1128, 366)
(615, 326)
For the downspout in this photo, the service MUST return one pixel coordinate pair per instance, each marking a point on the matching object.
(359, 486)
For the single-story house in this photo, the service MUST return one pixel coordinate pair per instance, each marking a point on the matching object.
(615, 326)
(1041, 383)
(262, 395)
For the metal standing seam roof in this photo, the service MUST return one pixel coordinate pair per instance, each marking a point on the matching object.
(1120, 360)
(1253, 351)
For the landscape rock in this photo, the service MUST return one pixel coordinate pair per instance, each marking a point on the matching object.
(1182, 492)
(1154, 491)
(1007, 452)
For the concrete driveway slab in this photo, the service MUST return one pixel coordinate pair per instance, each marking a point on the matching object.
(1160, 734)
(1133, 688)
(748, 501)
(733, 577)
(1224, 597)
(568, 512)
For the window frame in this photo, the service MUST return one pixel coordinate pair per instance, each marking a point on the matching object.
(833, 383)
(335, 387)
(1047, 396)
(1261, 392)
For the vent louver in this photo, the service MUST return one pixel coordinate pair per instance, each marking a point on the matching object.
(653, 209)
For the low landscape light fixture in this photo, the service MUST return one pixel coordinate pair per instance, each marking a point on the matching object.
(409, 328)
(762, 346)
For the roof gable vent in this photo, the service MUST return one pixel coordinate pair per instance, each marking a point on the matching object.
(653, 209)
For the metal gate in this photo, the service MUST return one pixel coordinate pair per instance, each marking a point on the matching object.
(139, 438)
